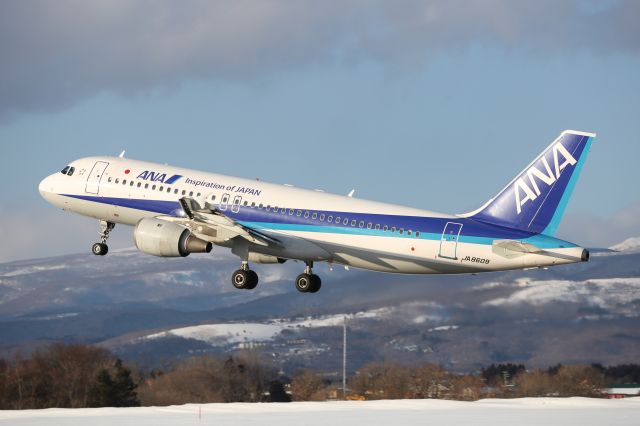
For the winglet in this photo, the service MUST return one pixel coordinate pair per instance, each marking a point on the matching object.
(122, 154)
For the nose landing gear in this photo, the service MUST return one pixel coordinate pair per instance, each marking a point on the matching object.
(101, 248)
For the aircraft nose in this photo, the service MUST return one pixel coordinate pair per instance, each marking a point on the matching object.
(46, 186)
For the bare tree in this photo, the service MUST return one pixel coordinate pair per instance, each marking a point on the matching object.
(382, 380)
(430, 381)
(306, 386)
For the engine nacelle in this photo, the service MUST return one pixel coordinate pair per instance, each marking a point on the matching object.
(167, 239)
(265, 258)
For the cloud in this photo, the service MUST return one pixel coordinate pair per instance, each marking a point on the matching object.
(593, 231)
(56, 53)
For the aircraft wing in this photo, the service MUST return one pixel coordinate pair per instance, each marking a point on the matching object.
(223, 226)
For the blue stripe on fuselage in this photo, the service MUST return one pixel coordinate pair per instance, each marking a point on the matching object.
(430, 228)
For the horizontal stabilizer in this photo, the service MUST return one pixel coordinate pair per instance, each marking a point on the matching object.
(513, 248)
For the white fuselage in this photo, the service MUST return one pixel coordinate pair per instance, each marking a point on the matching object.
(371, 235)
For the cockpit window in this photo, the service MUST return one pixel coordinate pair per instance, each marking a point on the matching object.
(65, 170)
(71, 170)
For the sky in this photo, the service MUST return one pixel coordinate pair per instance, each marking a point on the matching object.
(431, 104)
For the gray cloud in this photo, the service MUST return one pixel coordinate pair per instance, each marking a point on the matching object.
(55, 53)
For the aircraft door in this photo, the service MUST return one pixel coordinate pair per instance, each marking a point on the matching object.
(236, 204)
(93, 180)
(449, 240)
(224, 201)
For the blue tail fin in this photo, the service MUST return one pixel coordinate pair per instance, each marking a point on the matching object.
(536, 199)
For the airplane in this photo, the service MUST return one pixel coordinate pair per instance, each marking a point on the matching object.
(177, 211)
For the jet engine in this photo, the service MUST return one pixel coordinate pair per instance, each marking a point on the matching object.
(167, 239)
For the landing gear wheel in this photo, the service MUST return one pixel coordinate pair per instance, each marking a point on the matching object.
(253, 280)
(100, 249)
(241, 279)
(304, 283)
(316, 283)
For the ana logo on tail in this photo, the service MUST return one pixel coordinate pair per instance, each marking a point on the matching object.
(525, 192)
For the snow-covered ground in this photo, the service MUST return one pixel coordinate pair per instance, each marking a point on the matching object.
(490, 412)
(226, 333)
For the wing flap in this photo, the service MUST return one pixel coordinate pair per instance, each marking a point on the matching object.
(227, 228)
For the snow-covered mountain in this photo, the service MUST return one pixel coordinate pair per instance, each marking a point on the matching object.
(629, 245)
(149, 310)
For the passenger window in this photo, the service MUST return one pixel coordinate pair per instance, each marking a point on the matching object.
(146, 186)
(314, 216)
(168, 189)
(322, 218)
(353, 222)
(306, 215)
(299, 213)
(338, 219)
(190, 193)
(369, 225)
(109, 180)
(198, 194)
(153, 187)
(184, 192)
(213, 197)
(402, 230)
(245, 203)
(253, 204)
(260, 205)
(65, 170)
(275, 210)
(417, 234)
(377, 226)
(361, 224)
(346, 221)
(268, 207)
(117, 180)
(290, 212)
(175, 191)
(284, 210)
(330, 219)
(71, 170)
(131, 183)
(124, 181)
(161, 188)
(409, 232)
(139, 184)
(386, 228)
(393, 229)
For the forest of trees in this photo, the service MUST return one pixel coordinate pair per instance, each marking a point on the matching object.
(76, 376)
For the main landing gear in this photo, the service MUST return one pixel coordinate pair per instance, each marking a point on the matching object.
(101, 248)
(244, 278)
(247, 279)
(308, 282)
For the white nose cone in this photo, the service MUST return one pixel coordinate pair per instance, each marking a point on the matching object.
(46, 188)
